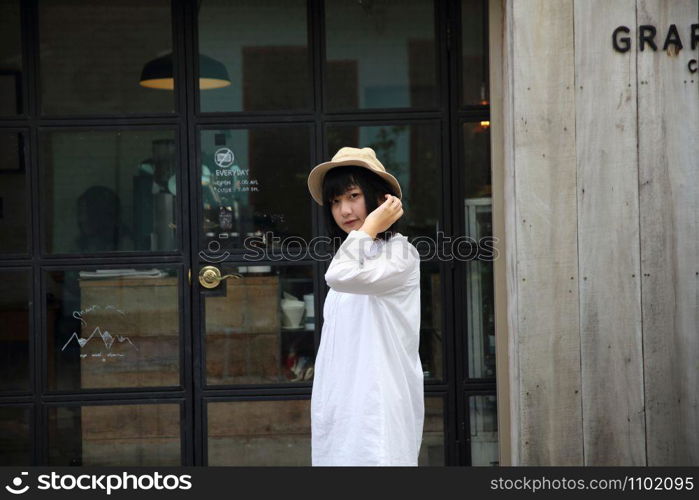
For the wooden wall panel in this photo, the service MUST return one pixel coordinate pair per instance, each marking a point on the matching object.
(548, 343)
(600, 175)
(669, 203)
(608, 238)
(504, 223)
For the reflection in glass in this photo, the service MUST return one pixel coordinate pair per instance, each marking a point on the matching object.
(250, 190)
(432, 449)
(259, 328)
(13, 193)
(92, 55)
(380, 54)
(478, 222)
(10, 58)
(484, 430)
(476, 155)
(15, 297)
(15, 440)
(264, 48)
(112, 328)
(160, 74)
(411, 153)
(115, 435)
(109, 191)
(431, 321)
(480, 300)
(259, 433)
(474, 62)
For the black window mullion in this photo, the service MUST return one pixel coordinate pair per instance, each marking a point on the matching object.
(461, 114)
(449, 37)
(188, 10)
(316, 31)
(37, 360)
(180, 53)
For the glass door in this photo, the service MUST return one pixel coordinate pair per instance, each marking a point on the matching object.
(257, 294)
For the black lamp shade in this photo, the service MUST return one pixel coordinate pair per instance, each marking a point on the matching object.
(157, 74)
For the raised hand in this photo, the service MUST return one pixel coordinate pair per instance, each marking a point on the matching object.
(384, 216)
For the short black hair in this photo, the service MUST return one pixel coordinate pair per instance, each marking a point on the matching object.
(336, 183)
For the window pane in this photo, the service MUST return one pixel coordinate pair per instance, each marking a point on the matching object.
(431, 321)
(278, 433)
(480, 299)
(254, 56)
(432, 449)
(115, 435)
(113, 328)
(380, 54)
(476, 155)
(109, 191)
(15, 297)
(411, 153)
(254, 183)
(93, 55)
(259, 433)
(10, 58)
(15, 437)
(14, 222)
(15, 440)
(481, 319)
(484, 430)
(474, 62)
(259, 328)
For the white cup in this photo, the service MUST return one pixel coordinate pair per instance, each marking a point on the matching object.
(292, 313)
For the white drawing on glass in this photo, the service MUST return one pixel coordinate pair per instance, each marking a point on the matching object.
(107, 338)
(224, 157)
(79, 314)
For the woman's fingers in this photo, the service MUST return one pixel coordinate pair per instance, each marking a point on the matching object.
(393, 205)
(393, 200)
(388, 212)
(396, 208)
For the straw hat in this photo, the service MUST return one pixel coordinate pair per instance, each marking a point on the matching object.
(364, 157)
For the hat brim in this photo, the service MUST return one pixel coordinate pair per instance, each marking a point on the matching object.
(316, 176)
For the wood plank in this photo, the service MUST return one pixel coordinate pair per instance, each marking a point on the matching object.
(504, 222)
(610, 295)
(548, 340)
(669, 204)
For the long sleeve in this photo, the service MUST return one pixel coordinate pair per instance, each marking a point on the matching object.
(353, 270)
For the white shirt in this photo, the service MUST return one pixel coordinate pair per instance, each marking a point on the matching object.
(367, 405)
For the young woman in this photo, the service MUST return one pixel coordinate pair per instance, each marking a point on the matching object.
(367, 405)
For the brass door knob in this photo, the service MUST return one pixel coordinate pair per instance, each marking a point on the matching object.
(210, 276)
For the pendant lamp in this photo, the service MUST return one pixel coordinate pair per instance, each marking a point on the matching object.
(157, 74)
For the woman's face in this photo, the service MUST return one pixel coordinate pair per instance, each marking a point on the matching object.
(349, 210)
